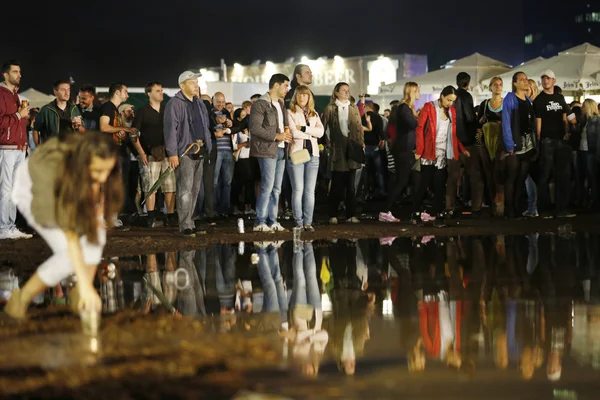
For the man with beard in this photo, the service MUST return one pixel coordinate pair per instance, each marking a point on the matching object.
(13, 145)
(90, 111)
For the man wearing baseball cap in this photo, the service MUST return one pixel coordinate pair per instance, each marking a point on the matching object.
(186, 122)
(555, 158)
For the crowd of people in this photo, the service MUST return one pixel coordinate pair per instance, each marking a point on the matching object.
(448, 154)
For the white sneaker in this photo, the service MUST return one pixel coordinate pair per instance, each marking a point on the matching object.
(262, 228)
(531, 214)
(353, 220)
(333, 220)
(117, 223)
(14, 233)
(20, 235)
(276, 227)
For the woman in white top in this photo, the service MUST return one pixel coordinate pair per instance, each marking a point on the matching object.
(306, 128)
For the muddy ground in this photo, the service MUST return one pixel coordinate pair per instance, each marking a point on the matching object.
(28, 254)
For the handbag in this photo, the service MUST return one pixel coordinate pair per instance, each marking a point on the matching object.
(300, 157)
(158, 153)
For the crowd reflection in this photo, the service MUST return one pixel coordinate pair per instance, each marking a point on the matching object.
(517, 303)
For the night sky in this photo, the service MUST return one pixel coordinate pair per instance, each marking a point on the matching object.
(100, 42)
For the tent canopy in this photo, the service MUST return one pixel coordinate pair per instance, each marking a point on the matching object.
(36, 98)
(576, 69)
(477, 65)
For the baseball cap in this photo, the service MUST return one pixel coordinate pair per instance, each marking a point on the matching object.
(124, 107)
(549, 73)
(186, 75)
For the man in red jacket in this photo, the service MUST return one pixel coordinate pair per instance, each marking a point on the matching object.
(13, 144)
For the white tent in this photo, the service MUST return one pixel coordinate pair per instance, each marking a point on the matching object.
(36, 98)
(577, 70)
(480, 67)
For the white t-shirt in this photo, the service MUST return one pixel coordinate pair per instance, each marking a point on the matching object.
(279, 119)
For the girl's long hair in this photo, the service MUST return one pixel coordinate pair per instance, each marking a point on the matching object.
(515, 78)
(535, 90)
(75, 199)
(408, 89)
(590, 108)
(302, 89)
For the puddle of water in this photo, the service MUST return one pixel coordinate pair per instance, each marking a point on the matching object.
(397, 313)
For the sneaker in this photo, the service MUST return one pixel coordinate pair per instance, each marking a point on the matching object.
(199, 231)
(333, 221)
(250, 212)
(387, 241)
(277, 244)
(117, 223)
(425, 217)
(566, 214)
(387, 217)
(17, 234)
(531, 214)
(309, 228)
(189, 233)
(353, 220)
(262, 228)
(276, 227)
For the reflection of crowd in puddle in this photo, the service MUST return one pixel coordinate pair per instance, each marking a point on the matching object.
(459, 301)
(508, 297)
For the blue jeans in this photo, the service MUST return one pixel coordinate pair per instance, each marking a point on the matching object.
(275, 298)
(9, 161)
(304, 182)
(306, 288)
(271, 176)
(531, 188)
(222, 181)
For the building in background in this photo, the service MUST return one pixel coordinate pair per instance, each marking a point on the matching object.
(550, 30)
(364, 73)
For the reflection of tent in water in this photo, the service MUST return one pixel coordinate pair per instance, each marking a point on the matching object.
(36, 98)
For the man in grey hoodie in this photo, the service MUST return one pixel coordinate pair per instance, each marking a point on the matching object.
(185, 122)
(268, 119)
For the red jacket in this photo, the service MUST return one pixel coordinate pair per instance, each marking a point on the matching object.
(426, 141)
(13, 130)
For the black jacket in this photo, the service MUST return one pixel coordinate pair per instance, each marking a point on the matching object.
(466, 121)
(406, 125)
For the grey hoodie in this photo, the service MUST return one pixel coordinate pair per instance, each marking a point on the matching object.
(264, 126)
(178, 125)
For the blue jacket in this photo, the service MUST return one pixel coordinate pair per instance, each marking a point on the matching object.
(177, 124)
(511, 123)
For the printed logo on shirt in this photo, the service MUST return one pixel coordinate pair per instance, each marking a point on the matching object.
(553, 106)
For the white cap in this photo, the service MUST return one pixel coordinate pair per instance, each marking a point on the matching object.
(187, 75)
(549, 73)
